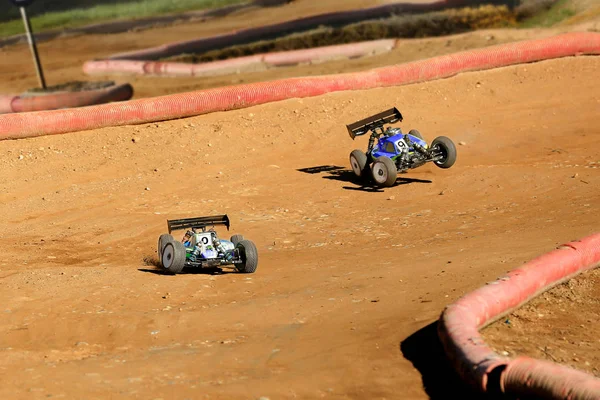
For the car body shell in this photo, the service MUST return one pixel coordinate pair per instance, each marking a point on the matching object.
(205, 240)
(392, 146)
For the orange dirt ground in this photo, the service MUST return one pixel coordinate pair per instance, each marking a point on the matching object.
(351, 279)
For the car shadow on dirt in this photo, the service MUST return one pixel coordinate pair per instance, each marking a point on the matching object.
(440, 381)
(158, 270)
(337, 173)
(188, 271)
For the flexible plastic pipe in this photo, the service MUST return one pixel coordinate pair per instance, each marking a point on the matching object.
(125, 67)
(22, 125)
(18, 104)
(172, 69)
(249, 63)
(6, 104)
(221, 67)
(350, 50)
(541, 379)
(479, 365)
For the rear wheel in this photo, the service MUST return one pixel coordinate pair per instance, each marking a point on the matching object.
(358, 161)
(249, 255)
(416, 133)
(161, 244)
(447, 150)
(384, 171)
(173, 256)
(235, 239)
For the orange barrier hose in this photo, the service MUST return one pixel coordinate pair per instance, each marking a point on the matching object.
(541, 379)
(22, 125)
(249, 63)
(59, 100)
(479, 365)
(6, 104)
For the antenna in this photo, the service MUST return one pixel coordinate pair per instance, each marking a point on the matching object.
(22, 4)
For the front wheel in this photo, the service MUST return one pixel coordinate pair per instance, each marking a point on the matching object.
(173, 256)
(358, 161)
(235, 239)
(162, 240)
(249, 255)
(447, 151)
(416, 133)
(384, 171)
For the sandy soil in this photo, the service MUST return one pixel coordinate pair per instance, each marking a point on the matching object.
(351, 279)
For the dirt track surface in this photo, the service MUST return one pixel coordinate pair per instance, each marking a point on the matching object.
(350, 278)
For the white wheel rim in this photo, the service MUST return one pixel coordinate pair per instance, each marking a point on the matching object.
(379, 173)
(355, 166)
(444, 155)
(168, 255)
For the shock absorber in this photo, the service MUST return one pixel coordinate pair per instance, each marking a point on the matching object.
(219, 246)
(420, 148)
(372, 141)
(196, 253)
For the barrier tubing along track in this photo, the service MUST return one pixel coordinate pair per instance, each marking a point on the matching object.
(245, 64)
(53, 101)
(22, 125)
(479, 365)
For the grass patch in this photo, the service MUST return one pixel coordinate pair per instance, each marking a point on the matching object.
(106, 12)
(550, 13)
(405, 26)
(580, 17)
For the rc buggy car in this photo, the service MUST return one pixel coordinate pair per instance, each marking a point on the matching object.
(390, 151)
(201, 247)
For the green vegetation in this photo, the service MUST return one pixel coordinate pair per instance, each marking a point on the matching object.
(549, 15)
(527, 13)
(403, 26)
(106, 11)
(64, 14)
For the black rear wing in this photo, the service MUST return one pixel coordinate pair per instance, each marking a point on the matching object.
(199, 222)
(363, 126)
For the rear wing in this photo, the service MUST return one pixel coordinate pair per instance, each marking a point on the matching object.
(199, 222)
(376, 121)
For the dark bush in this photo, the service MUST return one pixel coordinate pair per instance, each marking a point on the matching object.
(406, 26)
(530, 8)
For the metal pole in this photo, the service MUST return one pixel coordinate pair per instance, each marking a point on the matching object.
(33, 48)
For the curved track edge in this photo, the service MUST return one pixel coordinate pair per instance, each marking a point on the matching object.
(480, 366)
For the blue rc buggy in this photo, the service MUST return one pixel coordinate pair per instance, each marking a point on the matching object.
(201, 247)
(390, 151)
